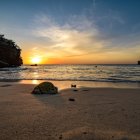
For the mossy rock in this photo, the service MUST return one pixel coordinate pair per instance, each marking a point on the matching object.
(45, 88)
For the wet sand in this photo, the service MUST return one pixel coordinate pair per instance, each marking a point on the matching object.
(93, 113)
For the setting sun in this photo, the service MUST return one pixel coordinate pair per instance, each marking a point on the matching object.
(36, 60)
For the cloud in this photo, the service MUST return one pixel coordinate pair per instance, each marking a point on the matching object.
(76, 37)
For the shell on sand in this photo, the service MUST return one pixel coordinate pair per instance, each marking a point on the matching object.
(45, 88)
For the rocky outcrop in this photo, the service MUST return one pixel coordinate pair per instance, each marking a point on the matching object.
(9, 53)
(45, 88)
(3, 64)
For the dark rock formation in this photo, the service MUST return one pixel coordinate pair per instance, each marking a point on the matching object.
(138, 62)
(9, 53)
(3, 64)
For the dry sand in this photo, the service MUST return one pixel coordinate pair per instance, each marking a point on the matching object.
(96, 114)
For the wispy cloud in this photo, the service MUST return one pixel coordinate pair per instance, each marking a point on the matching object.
(78, 36)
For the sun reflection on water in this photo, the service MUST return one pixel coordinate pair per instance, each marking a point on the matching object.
(35, 82)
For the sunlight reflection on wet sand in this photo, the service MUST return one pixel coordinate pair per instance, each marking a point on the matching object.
(67, 84)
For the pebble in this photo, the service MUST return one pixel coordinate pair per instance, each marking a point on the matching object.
(60, 137)
(71, 99)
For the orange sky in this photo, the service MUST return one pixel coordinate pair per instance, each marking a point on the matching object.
(62, 45)
(93, 58)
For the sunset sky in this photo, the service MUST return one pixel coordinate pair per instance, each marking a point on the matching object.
(73, 31)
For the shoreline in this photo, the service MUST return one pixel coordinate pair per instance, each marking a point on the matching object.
(96, 113)
(67, 84)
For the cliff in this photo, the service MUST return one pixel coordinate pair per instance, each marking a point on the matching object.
(9, 53)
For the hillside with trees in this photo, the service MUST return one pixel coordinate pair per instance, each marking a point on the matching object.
(10, 53)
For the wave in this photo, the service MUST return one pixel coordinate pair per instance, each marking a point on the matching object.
(13, 69)
(54, 79)
(101, 73)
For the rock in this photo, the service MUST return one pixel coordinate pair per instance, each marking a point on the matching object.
(73, 85)
(3, 64)
(75, 90)
(60, 137)
(9, 53)
(84, 132)
(45, 88)
(71, 99)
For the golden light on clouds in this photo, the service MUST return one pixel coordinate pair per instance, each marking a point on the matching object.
(74, 43)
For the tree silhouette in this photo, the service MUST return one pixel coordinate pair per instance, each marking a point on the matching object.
(9, 53)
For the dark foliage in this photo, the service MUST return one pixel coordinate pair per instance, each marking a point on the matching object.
(9, 53)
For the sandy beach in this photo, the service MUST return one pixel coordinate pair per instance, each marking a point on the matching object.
(92, 114)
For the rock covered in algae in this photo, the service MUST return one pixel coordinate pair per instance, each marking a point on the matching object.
(45, 88)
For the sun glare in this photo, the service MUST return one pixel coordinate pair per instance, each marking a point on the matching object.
(36, 60)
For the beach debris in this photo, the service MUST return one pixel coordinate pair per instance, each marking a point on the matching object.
(45, 88)
(75, 90)
(84, 132)
(71, 99)
(73, 85)
(60, 137)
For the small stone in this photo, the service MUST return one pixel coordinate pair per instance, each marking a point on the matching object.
(75, 90)
(60, 137)
(73, 85)
(71, 99)
(84, 132)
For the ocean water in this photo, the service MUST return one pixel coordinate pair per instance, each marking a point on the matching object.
(96, 73)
